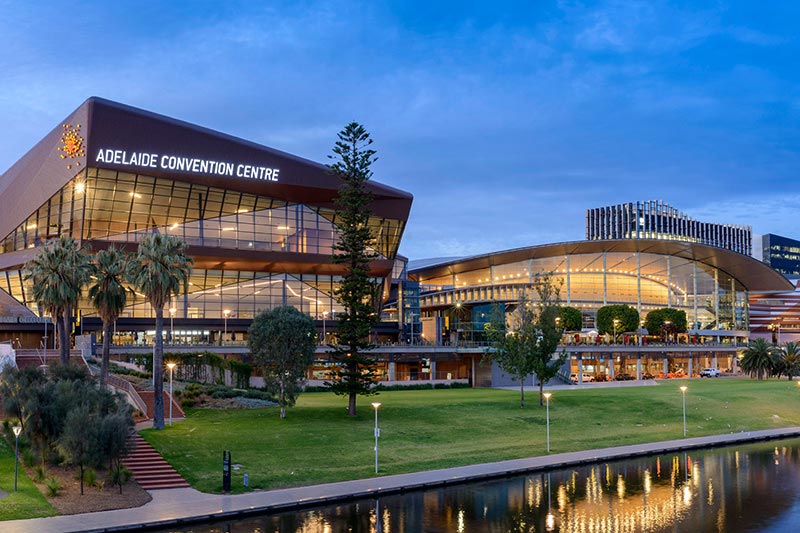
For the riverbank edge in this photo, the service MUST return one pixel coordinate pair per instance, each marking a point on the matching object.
(183, 507)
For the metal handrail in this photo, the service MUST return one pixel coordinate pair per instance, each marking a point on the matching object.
(127, 387)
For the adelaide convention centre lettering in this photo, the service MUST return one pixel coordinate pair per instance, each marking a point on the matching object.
(186, 164)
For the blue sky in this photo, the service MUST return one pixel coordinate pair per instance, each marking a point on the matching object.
(506, 120)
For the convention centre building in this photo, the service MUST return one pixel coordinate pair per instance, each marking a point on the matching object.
(260, 224)
(710, 283)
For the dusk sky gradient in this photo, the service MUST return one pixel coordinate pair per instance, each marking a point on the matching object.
(505, 120)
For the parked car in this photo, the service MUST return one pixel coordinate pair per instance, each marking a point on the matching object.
(710, 373)
(624, 377)
(586, 378)
(648, 375)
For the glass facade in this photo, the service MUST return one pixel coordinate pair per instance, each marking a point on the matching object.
(712, 299)
(781, 253)
(107, 206)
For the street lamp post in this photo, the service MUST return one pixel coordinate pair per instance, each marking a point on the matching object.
(547, 403)
(324, 331)
(616, 324)
(375, 406)
(226, 314)
(172, 312)
(17, 431)
(171, 367)
(667, 329)
(683, 393)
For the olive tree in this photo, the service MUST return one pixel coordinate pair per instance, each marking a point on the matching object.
(527, 342)
(617, 319)
(282, 342)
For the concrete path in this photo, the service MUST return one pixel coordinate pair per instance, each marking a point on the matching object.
(179, 506)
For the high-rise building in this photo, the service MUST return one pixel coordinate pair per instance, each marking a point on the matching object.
(781, 253)
(657, 220)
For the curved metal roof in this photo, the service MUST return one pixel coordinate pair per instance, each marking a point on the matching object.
(751, 273)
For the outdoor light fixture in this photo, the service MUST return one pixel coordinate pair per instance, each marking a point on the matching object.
(171, 367)
(17, 431)
(375, 406)
(547, 402)
(683, 393)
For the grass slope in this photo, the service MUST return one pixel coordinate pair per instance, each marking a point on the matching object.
(422, 430)
(27, 502)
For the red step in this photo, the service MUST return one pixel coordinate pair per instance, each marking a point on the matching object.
(149, 469)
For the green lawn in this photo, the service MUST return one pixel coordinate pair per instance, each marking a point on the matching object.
(423, 430)
(27, 502)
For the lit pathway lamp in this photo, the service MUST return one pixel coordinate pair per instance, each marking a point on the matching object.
(547, 403)
(17, 431)
(171, 367)
(683, 393)
(375, 406)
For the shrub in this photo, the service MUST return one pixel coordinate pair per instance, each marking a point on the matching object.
(120, 475)
(28, 459)
(188, 402)
(53, 486)
(90, 477)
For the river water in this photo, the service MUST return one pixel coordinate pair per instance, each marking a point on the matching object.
(744, 488)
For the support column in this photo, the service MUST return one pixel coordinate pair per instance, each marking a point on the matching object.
(734, 364)
(639, 366)
(716, 298)
(716, 364)
(580, 369)
(666, 367)
(605, 280)
(473, 371)
(639, 283)
(611, 366)
(569, 292)
(694, 294)
(669, 281)
(391, 371)
(433, 369)
(691, 360)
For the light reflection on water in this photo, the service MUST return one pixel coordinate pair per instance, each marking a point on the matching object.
(749, 488)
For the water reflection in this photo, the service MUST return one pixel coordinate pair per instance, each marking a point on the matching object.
(751, 488)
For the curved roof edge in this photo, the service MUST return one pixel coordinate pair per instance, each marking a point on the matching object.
(753, 274)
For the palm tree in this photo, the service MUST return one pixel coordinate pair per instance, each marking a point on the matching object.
(758, 359)
(159, 270)
(58, 273)
(790, 359)
(108, 295)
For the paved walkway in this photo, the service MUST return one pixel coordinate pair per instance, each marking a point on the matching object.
(177, 506)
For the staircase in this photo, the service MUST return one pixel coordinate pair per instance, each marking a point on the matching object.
(149, 469)
(148, 397)
(26, 358)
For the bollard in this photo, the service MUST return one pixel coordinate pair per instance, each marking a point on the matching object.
(226, 471)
